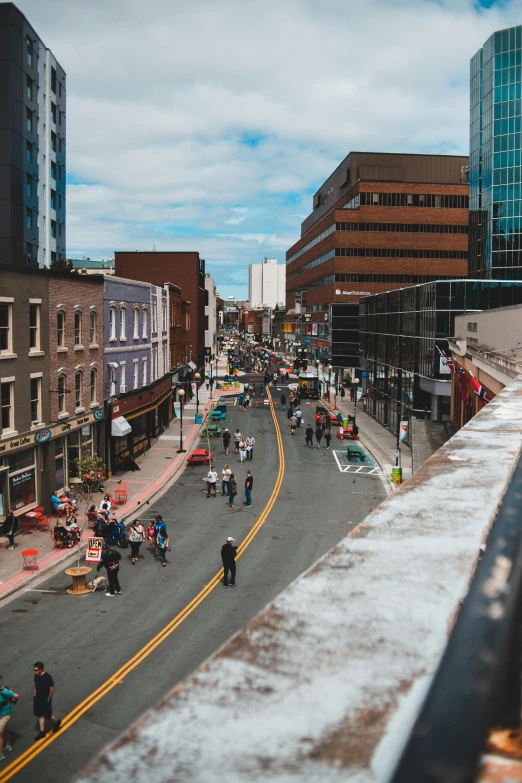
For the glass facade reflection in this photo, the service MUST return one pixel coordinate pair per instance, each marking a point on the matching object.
(495, 176)
(400, 333)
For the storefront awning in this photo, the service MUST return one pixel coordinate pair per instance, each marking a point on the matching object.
(120, 427)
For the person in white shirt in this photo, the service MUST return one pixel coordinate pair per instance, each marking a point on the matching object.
(298, 416)
(242, 450)
(237, 438)
(211, 485)
(225, 476)
(250, 443)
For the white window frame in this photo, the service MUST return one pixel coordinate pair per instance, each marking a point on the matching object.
(78, 401)
(7, 353)
(38, 378)
(37, 348)
(78, 331)
(144, 372)
(136, 322)
(123, 322)
(93, 331)
(144, 325)
(164, 316)
(154, 326)
(93, 370)
(112, 323)
(123, 377)
(9, 431)
(61, 343)
(136, 372)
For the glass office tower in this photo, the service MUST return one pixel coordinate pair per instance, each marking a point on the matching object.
(495, 176)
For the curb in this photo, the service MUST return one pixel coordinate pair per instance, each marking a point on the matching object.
(171, 473)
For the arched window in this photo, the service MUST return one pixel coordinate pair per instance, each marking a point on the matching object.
(77, 327)
(93, 381)
(112, 322)
(136, 317)
(61, 394)
(123, 321)
(93, 323)
(78, 390)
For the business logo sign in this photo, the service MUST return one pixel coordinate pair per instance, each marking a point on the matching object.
(42, 436)
(98, 415)
(338, 292)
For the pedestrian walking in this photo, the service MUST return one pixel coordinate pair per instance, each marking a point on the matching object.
(241, 401)
(159, 524)
(250, 443)
(293, 424)
(319, 434)
(225, 440)
(289, 413)
(7, 699)
(136, 537)
(110, 560)
(225, 477)
(299, 416)
(327, 437)
(207, 383)
(237, 438)
(162, 544)
(211, 484)
(309, 436)
(247, 401)
(249, 483)
(151, 534)
(43, 692)
(328, 421)
(232, 489)
(242, 450)
(10, 527)
(342, 393)
(283, 402)
(228, 558)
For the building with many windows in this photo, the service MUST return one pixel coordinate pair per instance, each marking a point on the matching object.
(380, 221)
(495, 171)
(32, 146)
(266, 283)
(402, 336)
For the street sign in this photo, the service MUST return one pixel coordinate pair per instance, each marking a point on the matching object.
(94, 550)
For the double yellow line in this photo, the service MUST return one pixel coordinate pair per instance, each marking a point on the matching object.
(118, 677)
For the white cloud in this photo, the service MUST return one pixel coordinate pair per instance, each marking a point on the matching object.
(179, 112)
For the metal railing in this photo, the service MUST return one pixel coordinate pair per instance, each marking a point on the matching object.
(477, 685)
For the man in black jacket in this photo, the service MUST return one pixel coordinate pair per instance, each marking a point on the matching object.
(111, 561)
(10, 528)
(228, 556)
(309, 435)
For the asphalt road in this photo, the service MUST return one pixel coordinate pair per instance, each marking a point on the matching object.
(83, 641)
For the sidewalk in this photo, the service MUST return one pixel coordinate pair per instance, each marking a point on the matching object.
(159, 466)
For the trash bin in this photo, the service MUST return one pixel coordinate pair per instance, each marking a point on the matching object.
(198, 418)
(397, 475)
(236, 384)
(346, 422)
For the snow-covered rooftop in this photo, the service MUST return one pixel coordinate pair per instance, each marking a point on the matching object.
(325, 683)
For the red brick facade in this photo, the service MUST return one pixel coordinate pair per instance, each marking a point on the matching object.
(179, 310)
(75, 297)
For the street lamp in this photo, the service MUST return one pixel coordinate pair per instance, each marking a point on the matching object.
(197, 378)
(329, 368)
(355, 430)
(181, 394)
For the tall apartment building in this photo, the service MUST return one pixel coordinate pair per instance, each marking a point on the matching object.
(210, 314)
(266, 283)
(32, 146)
(380, 221)
(495, 176)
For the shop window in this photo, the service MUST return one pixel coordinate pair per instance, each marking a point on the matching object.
(22, 479)
(61, 394)
(86, 440)
(123, 318)
(7, 399)
(93, 317)
(112, 323)
(136, 317)
(73, 453)
(145, 317)
(78, 396)
(77, 327)
(6, 333)
(60, 329)
(93, 379)
(36, 400)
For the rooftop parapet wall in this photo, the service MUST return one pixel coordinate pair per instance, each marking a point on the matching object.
(325, 684)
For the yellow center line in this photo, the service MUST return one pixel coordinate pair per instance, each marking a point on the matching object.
(117, 678)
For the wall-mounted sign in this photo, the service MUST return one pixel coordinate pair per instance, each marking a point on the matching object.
(338, 292)
(42, 436)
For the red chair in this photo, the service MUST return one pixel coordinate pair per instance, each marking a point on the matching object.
(43, 523)
(27, 526)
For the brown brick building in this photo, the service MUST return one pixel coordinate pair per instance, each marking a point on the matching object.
(179, 310)
(380, 221)
(187, 271)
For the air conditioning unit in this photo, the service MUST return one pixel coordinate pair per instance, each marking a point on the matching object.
(123, 388)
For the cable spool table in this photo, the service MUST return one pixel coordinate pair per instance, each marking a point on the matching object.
(79, 586)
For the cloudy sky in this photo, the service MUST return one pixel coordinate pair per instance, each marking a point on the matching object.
(208, 125)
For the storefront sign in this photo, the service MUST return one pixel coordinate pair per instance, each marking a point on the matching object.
(94, 550)
(338, 292)
(42, 436)
(314, 329)
(22, 489)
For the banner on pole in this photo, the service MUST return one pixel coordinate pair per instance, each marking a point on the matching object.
(404, 430)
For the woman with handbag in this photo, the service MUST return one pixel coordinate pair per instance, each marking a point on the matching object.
(232, 490)
(136, 537)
